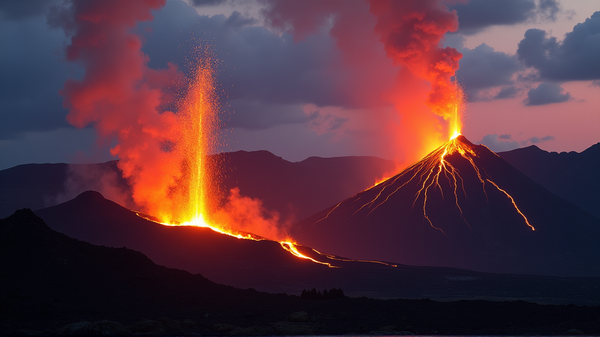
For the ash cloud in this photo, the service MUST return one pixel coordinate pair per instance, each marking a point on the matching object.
(573, 59)
(546, 93)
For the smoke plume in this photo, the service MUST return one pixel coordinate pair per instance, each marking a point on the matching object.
(162, 153)
(411, 33)
(119, 94)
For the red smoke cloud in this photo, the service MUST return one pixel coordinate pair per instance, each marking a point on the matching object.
(120, 95)
(411, 33)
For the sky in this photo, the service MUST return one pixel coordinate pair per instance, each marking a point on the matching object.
(316, 78)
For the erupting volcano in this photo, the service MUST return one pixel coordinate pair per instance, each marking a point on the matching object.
(460, 206)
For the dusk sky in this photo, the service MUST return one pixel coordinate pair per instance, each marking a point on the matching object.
(313, 78)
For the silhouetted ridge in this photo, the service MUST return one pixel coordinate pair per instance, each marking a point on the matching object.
(571, 175)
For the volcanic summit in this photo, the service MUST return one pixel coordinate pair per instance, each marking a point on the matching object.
(460, 206)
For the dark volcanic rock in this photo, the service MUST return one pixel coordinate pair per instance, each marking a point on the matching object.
(266, 266)
(51, 283)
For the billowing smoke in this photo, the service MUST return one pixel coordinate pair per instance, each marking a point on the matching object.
(162, 153)
(411, 33)
(119, 94)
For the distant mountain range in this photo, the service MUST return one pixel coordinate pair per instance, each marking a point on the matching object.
(295, 190)
(571, 175)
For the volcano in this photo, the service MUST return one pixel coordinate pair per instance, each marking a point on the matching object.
(460, 206)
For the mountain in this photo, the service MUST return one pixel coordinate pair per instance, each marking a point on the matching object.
(51, 284)
(36, 186)
(299, 189)
(265, 266)
(461, 206)
(295, 190)
(570, 175)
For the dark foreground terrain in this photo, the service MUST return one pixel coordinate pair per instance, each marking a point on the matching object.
(49, 281)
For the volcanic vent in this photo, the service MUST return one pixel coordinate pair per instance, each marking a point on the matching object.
(460, 206)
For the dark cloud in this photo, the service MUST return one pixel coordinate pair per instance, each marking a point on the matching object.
(476, 15)
(499, 143)
(536, 140)
(204, 3)
(32, 74)
(546, 93)
(507, 92)
(236, 21)
(259, 68)
(255, 115)
(483, 68)
(574, 58)
(326, 123)
(548, 9)
(19, 9)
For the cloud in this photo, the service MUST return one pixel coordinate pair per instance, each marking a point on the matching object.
(32, 74)
(19, 10)
(204, 3)
(266, 77)
(236, 21)
(483, 68)
(324, 123)
(504, 142)
(546, 93)
(256, 115)
(506, 92)
(536, 140)
(477, 15)
(574, 58)
(498, 143)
